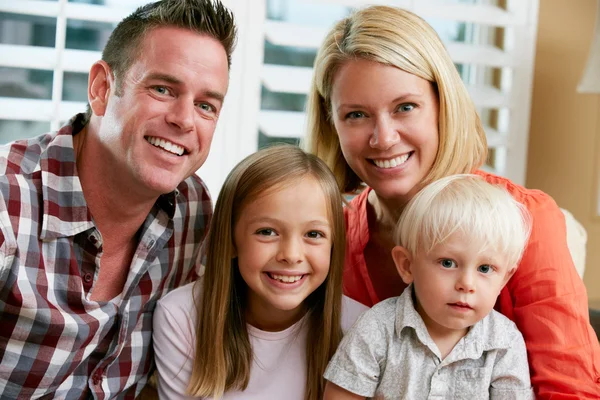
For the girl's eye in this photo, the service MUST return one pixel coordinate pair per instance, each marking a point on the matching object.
(447, 263)
(406, 107)
(315, 235)
(355, 115)
(266, 232)
(484, 269)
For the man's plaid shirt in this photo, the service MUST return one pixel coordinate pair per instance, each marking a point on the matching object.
(54, 341)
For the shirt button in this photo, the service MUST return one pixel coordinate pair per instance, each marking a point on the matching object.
(150, 244)
(87, 278)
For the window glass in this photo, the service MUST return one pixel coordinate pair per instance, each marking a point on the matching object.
(25, 83)
(12, 130)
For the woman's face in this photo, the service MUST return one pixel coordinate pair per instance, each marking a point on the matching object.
(387, 123)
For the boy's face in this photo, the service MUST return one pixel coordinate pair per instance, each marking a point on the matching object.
(456, 284)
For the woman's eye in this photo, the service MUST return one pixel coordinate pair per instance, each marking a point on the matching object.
(406, 107)
(447, 263)
(315, 234)
(484, 269)
(266, 232)
(355, 115)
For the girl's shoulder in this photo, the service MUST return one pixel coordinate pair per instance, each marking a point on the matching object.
(180, 303)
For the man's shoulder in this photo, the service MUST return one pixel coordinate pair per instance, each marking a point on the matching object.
(194, 189)
(22, 157)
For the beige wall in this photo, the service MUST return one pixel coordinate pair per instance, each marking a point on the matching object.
(564, 145)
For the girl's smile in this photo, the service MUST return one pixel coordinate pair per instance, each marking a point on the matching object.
(283, 242)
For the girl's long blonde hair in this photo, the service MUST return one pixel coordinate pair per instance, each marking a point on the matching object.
(223, 356)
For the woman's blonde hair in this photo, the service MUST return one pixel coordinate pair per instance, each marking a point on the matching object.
(401, 39)
(466, 204)
(223, 357)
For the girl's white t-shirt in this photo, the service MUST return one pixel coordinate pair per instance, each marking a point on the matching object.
(279, 367)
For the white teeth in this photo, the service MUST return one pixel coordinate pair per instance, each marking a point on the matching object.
(394, 162)
(286, 278)
(165, 145)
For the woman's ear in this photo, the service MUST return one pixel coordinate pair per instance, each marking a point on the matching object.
(100, 84)
(403, 262)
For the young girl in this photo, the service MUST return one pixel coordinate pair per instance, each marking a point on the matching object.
(275, 254)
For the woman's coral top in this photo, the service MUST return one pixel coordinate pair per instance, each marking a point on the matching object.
(545, 297)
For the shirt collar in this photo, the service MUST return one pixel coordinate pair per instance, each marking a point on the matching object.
(485, 335)
(65, 211)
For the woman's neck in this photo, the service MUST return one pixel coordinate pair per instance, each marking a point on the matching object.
(385, 213)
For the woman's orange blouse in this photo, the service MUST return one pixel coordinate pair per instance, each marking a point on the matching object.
(545, 297)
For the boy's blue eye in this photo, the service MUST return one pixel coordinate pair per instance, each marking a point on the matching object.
(484, 269)
(447, 263)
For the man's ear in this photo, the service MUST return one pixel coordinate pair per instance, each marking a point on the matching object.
(100, 84)
(403, 262)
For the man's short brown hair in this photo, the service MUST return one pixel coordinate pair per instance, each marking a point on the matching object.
(209, 17)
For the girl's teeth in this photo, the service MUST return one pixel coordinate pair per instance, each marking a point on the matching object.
(394, 162)
(286, 278)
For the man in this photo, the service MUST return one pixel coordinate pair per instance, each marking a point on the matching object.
(102, 218)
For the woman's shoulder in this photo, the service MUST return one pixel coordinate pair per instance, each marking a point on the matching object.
(533, 199)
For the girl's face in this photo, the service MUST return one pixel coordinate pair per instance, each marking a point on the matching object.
(387, 123)
(283, 244)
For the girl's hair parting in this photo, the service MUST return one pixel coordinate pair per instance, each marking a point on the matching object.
(465, 204)
(223, 357)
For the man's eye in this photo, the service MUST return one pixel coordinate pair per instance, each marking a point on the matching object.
(447, 263)
(206, 107)
(484, 269)
(161, 90)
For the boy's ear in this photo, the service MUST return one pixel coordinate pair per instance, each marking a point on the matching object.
(509, 275)
(403, 262)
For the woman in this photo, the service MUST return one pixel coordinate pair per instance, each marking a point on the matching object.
(388, 109)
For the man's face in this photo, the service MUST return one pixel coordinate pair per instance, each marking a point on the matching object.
(158, 131)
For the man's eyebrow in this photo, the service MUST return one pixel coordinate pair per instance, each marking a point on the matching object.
(164, 77)
(176, 81)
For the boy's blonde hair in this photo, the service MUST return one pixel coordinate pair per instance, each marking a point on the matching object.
(223, 356)
(398, 38)
(484, 213)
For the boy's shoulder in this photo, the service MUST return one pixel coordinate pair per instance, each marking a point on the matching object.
(496, 331)
(383, 315)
